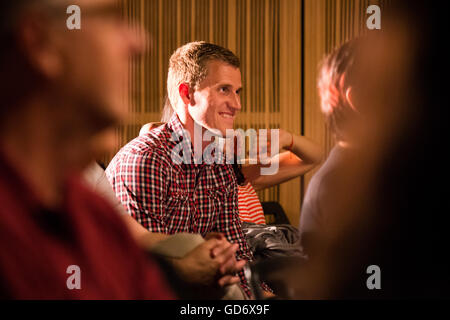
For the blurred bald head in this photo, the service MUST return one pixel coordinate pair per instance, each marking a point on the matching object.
(11, 10)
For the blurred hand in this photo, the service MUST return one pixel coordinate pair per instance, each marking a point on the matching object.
(211, 263)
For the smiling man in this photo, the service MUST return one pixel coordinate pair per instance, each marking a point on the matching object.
(204, 85)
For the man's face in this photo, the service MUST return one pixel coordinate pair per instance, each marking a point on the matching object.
(96, 60)
(217, 99)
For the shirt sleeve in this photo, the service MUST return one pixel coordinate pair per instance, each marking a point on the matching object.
(139, 182)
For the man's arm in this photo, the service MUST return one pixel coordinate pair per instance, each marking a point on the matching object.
(139, 182)
(143, 237)
(299, 156)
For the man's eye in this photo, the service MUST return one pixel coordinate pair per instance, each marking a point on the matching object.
(224, 89)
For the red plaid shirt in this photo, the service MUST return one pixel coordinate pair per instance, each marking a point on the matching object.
(169, 198)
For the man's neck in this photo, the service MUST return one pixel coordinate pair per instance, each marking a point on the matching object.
(36, 143)
(195, 130)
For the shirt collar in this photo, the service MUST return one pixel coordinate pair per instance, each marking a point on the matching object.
(181, 142)
(176, 126)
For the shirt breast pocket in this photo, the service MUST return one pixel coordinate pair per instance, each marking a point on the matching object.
(218, 198)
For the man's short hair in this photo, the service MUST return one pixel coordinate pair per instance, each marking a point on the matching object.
(335, 77)
(188, 64)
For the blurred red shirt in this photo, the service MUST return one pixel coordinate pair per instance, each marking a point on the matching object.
(37, 246)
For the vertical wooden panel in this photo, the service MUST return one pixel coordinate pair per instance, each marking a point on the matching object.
(317, 35)
(232, 24)
(290, 92)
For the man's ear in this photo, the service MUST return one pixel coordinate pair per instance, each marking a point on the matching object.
(350, 98)
(348, 93)
(185, 93)
(38, 45)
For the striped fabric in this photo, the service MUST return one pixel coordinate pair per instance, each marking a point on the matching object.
(250, 209)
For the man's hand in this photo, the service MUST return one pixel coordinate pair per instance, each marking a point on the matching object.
(225, 254)
(211, 263)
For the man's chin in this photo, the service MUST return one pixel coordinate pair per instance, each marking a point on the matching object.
(105, 116)
(223, 131)
(215, 132)
(117, 112)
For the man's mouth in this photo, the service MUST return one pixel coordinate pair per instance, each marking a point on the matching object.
(227, 115)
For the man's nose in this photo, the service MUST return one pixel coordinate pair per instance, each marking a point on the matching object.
(235, 102)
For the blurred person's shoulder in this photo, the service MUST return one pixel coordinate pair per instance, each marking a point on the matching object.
(82, 197)
(95, 220)
(331, 170)
(103, 227)
(322, 187)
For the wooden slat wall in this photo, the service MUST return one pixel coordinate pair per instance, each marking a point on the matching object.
(290, 92)
(267, 36)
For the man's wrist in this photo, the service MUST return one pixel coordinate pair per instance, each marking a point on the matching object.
(286, 140)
